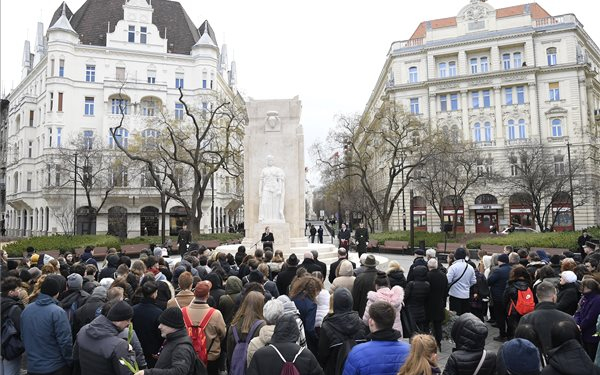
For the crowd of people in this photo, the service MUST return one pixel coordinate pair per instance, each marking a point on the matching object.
(259, 313)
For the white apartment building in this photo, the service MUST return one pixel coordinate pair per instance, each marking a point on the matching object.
(70, 88)
(500, 78)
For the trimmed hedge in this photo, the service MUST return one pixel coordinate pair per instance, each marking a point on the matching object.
(566, 240)
(69, 242)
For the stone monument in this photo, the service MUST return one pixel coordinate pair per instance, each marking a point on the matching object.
(274, 175)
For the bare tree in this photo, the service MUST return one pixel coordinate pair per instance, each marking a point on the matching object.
(543, 180)
(184, 152)
(449, 173)
(83, 161)
(379, 155)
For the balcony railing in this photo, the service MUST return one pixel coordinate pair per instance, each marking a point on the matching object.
(407, 43)
(517, 141)
(555, 20)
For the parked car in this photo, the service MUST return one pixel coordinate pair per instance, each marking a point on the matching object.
(519, 230)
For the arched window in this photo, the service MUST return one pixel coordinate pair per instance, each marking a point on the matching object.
(522, 133)
(511, 129)
(477, 132)
(455, 134)
(551, 54)
(150, 106)
(488, 131)
(119, 104)
(506, 61)
(149, 137)
(121, 136)
(557, 128)
(413, 75)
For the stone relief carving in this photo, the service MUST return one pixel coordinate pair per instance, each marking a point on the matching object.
(475, 12)
(273, 122)
(271, 193)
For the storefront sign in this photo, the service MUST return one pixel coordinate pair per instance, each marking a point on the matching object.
(419, 212)
(520, 210)
(451, 212)
(486, 207)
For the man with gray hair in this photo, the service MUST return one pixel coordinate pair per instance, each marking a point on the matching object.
(513, 259)
(272, 311)
(342, 254)
(436, 299)
(431, 254)
(545, 315)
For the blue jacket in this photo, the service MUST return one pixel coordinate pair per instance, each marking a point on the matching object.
(497, 281)
(376, 358)
(46, 334)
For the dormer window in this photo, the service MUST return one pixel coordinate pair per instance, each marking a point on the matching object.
(131, 34)
(143, 34)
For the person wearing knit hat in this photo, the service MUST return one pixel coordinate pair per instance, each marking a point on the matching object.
(215, 329)
(74, 281)
(47, 335)
(34, 259)
(98, 347)
(177, 352)
(568, 277)
(520, 357)
(568, 293)
(461, 276)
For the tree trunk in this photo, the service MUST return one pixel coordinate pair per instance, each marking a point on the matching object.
(385, 224)
(194, 226)
(163, 206)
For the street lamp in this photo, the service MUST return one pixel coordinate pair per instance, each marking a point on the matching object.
(339, 212)
(412, 218)
(75, 198)
(571, 185)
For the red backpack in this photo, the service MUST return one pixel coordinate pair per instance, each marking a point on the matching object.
(198, 335)
(525, 302)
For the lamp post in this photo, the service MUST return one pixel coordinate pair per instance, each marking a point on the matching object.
(571, 185)
(212, 203)
(75, 198)
(339, 212)
(412, 219)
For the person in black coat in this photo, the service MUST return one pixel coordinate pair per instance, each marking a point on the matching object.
(342, 254)
(395, 274)
(112, 262)
(518, 281)
(240, 255)
(361, 235)
(497, 281)
(267, 238)
(285, 277)
(145, 322)
(184, 238)
(217, 290)
(415, 297)
(567, 356)
(90, 310)
(342, 325)
(568, 293)
(320, 234)
(363, 284)
(309, 263)
(418, 261)
(436, 299)
(321, 265)
(469, 334)
(313, 233)
(267, 360)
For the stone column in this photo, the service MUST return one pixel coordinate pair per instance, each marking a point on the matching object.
(432, 108)
(464, 103)
(498, 110)
(462, 68)
(495, 59)
(533, 108)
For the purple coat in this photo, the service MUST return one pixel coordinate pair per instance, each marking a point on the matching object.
(587, 316)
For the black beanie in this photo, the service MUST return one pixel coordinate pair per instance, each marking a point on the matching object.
(256, 276)
(50, 287)
(342, 300)
(172, 317)
(120, 311)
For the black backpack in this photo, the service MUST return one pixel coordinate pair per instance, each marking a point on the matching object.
(12, 346)
(344, 349)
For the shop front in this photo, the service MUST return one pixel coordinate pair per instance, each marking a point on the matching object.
(521, 213)
(562, 213)
(454, 214)
(486, 209)
(419, 207)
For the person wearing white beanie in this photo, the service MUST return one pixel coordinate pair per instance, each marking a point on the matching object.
(568, 293)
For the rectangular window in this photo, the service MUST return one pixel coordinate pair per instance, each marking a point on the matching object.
(511, 129)
(120, 74)
(520, 95)
(57, 176)
(559, 165)
(522, 132)
(517, 60)
(60, 102)
(61, 68)
(143, 34)
(475, 97)
(151, 76)
(443, 103)
(557, 128)
(89, 106)
(488, 131)
(413, 75)
(119, 106)
(204, 84)
(508, 96)
(131, 34)
(51, 67)
(442, 70)
(49, 137)
(29, 180)
(58, 137)
(30, 149)
(88, 139)
(51, 101)
(414, 106)
(474, 64)
(452, 69)
(179, 81)
(485, 66)
(178, 111)
(554, 91)
(31, 117)
(506, 61)
(486, 99)
(454, 102)
(90, 73)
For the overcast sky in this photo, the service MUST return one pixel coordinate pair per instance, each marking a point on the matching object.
(329, 52)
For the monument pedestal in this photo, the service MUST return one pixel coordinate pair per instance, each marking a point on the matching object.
(283, 240)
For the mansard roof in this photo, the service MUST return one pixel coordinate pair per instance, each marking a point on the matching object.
(534, 9)
(97, 17)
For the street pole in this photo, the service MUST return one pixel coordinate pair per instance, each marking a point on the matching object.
(412, 221)
(339, 212)
(403, 205)
(571, 185)
(75, 198)
(212, 203)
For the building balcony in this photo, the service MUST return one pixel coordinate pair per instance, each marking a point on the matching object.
(561, 139)
(482, 144)
(517, 142)
(556, 20)
(407, 43)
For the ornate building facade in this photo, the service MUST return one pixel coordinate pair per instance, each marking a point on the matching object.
(500, 78)
(107, 57)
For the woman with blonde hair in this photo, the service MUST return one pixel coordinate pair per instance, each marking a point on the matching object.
(395, 274)
(304, 294)
(247, 321)
(37, 287)
(422, 359)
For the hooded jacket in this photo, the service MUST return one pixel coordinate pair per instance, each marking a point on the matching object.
(46, 335)
(570, 359)
(227, 304)
(99, 348)
(177, 356)
(289, 308)
(266, 361)
(383, 355)
(543, 316)
(112, 262)
(90, 310)
(343, 324)
(469, 334)
(217, 289)
(417, 291)
(145, 322)
(364, 283)
(345, 277)
(436, 298)
(397, 278)
(394, 296)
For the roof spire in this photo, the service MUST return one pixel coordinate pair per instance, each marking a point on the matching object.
(64, 9)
